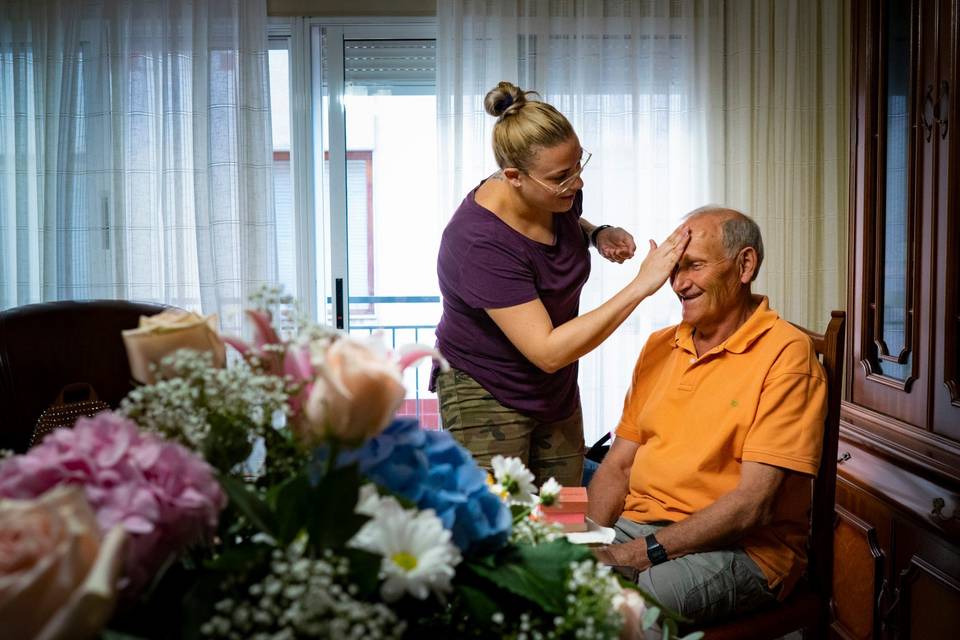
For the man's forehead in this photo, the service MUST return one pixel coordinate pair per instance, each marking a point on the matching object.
(706, 235)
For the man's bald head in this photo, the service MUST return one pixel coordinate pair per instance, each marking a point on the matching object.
(738, 230)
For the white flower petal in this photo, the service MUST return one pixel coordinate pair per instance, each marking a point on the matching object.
(418, 557)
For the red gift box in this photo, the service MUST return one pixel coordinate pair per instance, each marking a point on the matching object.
(569, 510)
(570, 500)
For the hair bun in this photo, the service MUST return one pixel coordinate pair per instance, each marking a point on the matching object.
(505, 99)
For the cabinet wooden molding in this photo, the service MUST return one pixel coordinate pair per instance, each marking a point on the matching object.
(904, 240)
(898, 488)
(858, 563)
(897, 559)
(919, 501)
(925, 601)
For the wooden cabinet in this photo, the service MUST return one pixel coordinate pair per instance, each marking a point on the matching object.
(898, 495)
(896, 560)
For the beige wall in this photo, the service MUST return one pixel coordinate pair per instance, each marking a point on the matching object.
(351, 7)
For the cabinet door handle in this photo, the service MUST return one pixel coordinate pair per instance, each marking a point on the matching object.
(882, 607)
(943, 108)
(938, 514)
(844, 457)
(889, 617)
(926, 123)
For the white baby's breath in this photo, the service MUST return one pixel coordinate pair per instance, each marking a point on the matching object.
(534, 531)
(301, 597)
(180, 406)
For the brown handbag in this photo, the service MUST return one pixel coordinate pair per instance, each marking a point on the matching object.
(74, 400)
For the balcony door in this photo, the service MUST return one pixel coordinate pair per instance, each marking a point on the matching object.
(375, 158)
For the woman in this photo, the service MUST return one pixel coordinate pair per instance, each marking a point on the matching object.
(513, 260)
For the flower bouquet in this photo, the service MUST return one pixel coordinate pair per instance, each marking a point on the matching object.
(279, 497)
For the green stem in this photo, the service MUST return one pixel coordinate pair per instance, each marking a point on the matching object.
(334, 453)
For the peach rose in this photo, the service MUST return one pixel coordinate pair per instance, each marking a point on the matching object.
(355, 394)
(57, 576)
(164, 333)
(632, 607)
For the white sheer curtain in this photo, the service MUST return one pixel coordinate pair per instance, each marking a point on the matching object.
(135, 152)
(642, 84)
(786, 158)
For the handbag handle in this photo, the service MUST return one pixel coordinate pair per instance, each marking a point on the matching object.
(75, 392)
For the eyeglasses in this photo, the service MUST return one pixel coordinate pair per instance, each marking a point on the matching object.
(564, 186)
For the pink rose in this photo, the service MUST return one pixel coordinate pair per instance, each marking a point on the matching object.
(344, 387)
(57, 576)
(162, 334)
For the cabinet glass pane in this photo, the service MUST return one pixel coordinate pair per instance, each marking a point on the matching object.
(896, 174)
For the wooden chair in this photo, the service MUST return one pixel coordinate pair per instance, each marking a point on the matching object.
(808, 607)
(45, 347)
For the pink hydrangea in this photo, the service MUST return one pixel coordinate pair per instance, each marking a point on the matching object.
(165, 496)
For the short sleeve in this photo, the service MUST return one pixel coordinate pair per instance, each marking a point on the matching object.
(493, 277)
(787, 430)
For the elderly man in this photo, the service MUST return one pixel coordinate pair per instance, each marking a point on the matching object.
(708, 480)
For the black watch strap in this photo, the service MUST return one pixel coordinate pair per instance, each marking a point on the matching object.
(655, 551)
(596, 231)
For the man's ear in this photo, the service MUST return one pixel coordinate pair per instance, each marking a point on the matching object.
(512, 175)
(747, 264)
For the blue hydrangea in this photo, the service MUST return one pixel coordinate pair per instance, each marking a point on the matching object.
(430, 469)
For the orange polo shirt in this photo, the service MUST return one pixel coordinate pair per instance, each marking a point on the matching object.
(758, 396)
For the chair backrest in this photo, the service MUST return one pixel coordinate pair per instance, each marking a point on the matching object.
(829, 346)
(46, 346)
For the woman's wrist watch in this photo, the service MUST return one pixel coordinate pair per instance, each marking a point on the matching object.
(656, 554)
(596, 232)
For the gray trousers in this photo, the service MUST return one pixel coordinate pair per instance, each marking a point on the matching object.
(701, 586)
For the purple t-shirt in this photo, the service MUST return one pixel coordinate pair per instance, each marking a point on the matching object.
(486, 264)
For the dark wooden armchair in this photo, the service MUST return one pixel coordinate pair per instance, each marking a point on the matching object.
(46, 346)
(808, 607)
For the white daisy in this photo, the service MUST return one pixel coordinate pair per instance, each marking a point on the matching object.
(515, 479)
(368, 502)
(418, 556)
(550, 492)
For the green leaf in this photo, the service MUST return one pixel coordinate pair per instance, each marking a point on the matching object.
(668, 629)
(364, 571)
(238, 559)
(293, 504)
(197, 604)
(331, 519)
(248, 503)
(537, 573)
(650, 616)
(479, 605)
(228, 442)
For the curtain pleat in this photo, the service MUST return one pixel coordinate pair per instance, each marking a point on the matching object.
(683, 103)
(135, 153)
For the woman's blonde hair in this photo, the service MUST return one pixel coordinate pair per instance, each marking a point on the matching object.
(523, 126)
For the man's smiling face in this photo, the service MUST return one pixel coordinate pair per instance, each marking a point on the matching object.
(706, 280)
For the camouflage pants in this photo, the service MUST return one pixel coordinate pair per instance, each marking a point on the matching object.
(487, 428)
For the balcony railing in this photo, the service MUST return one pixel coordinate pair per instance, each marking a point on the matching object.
(423, 404)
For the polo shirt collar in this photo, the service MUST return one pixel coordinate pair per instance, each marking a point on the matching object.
(759, 322)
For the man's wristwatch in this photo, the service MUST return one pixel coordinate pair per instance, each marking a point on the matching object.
(596, 232)
(655, 551)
